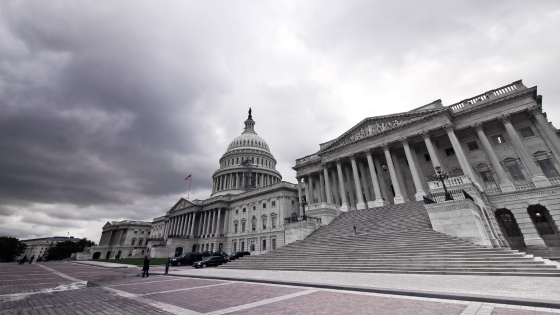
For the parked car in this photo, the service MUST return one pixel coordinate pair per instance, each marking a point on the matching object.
(206, 254)
(236, 255)
(222, 254)
(209, 261)
(186, 259)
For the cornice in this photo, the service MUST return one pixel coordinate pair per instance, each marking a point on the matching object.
(498, 101)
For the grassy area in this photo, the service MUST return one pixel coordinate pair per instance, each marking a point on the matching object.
(136, 261)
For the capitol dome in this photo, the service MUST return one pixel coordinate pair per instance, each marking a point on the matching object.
(247, 164)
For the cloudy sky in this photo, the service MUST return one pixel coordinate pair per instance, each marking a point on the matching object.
(106, 106)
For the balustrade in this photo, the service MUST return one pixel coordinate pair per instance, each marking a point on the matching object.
(301, 219)
(450, 182)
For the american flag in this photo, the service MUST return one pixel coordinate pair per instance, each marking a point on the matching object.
(188, 177)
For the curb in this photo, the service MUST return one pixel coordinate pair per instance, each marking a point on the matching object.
(424, 294)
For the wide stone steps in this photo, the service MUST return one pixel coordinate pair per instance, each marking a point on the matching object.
(392, 239)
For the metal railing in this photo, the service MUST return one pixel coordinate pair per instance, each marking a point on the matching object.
(304, 218)
(458, 194)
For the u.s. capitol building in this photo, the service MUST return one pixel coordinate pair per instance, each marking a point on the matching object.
(498, 150)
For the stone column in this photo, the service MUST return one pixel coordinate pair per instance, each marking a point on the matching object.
(398, 195)
(431, 150)
(537, 176)
(360, 204)
(400, 177)
(463, 161)
(218, 223)
(204, 217)
(327, 184)
(209, 223)
(365, 186)
(200, 219)
(307, 190)
(188, 224)
(536, 112)
(413, 169)
(226, 221)
(352, 201)
(193, 220)
(311, 195)
(378, 202)
(181, 224)
(505, 184)
(381, 179)
(335, 188)
(299, 189)
(342, 191)
(215, 221)
(322, 187)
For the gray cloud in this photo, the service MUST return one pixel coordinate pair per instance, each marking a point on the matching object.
(106, 107)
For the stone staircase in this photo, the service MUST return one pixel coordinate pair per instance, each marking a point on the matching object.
(392, 239)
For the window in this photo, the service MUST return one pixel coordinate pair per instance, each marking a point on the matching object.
(254, 208)
(449, 151)
(252, 245)
(515, 173)
(140, 241)
(427, 157)
(498, 139)
(526, 132)
(509, 224)
(487, 176)
(273, 219)
(473, 146)
(243, 226)
(273, 204)
(254, 224)
(244, 210)
(547, 168)
(264, 222)
(264, 205)
(242, 246)
(263, 244)
(133, 241)
(293, 203)
(273, 243)
(235, 227)
(135, 232)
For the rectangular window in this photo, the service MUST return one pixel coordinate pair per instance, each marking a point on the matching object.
(234, 246)
(243, 227)
(273, 203)
(264, 245)
(526, 132)
(487, 176)
(516, 173)
(235, 228)
(427, 157)
(252, 245)
(242, 246)
(273, 243)
(548, 169)
(244, 209)
(498, 139)
(449, 151)
(140, 242)
(273, 222)
(473, 146)
(293, 202)
(236, 211)
(264, 205)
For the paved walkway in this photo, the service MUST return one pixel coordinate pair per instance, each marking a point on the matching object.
(510, 287)
(71, 288)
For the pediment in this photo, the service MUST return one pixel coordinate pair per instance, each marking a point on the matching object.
(108, 224)
(181, 204)
(378, 125)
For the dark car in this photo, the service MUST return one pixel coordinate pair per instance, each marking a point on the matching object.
(206, 254)
(224, 255)
(186, 259)
(209, 261)
(236, 255)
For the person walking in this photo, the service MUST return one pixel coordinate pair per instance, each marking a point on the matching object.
(167, 262)
(23, 260)
(31, 260)
(146, 267)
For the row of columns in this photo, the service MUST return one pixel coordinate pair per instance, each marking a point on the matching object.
(537, 175)
(184, 224)
(237, 180)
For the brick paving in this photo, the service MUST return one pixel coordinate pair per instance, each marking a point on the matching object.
(70, 288)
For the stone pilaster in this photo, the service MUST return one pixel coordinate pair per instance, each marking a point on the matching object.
(342, 191)
(327, 184)
(360, 204)
(379, 201)
(413, 170)
(365, 187)
(398, 194)
(431, 150)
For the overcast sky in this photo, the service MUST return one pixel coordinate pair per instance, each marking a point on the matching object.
(106, 106)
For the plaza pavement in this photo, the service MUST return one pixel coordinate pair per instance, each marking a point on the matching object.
(75, 288)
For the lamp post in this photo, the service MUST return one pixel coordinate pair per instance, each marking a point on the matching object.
(303, 203)
(442, 176)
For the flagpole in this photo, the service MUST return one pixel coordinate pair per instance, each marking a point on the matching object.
(189, 193)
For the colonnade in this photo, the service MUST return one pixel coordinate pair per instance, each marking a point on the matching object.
(238, 180)
(332, 184)
(209, 224)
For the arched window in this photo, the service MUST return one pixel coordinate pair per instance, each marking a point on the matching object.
(508, 222)
(254, 223)
(133, 241)
(539, 215)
